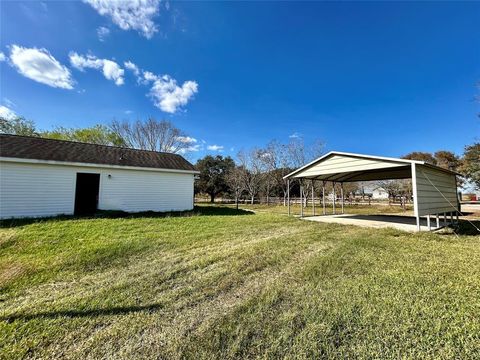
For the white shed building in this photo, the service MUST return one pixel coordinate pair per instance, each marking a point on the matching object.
(44, 177)
(434, 188)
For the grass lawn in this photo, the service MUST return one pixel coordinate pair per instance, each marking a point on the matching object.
(350, 209)
(226, 284)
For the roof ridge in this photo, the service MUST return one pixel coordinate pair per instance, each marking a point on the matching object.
(364, 156)
(33, 147)
(87, 143)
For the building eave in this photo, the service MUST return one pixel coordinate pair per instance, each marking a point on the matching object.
(92, 165)
(368, 157)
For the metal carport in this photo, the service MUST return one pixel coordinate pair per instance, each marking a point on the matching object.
(434, 188)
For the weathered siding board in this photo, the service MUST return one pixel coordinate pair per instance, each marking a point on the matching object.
(36, 190)
(338, 164)
(436, 191)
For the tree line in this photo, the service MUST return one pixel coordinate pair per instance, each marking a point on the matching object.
(150, 134)
(259, 172)
(255, 173)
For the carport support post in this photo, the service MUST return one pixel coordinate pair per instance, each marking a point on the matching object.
(323, 198)
(415, 195)
(334, 198)
(313, 198)
(288, 196)
(343, 201)
(438, 221)
(459, 208)
(428, 223)
(301, 201)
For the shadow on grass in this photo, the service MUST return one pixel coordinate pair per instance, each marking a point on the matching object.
(220, 211)
(119, 310)
(467, 227)
(112, 214)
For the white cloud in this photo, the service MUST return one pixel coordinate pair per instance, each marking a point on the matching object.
(130, 15)
(295, 135)
(7, 113)
(2, 57)
(193, 144)
(215, 147)
(128, 112)
(39, 65)
(186, 139)
(192, 148)
(132, 67)
(111, 70)
(149, 76)
(8, 102)
(102, 33)
(164, 91)
(168, 96)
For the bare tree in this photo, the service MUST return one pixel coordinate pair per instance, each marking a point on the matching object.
(349, 190)
(251, 172)
(279, 164)
(267, 162)
(392, 187)
(300, 155)
(152, 134)
(235, 181)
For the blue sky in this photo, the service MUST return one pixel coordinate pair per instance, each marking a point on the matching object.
(377, 78)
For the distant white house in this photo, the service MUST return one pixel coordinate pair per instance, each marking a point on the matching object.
(379, 193)
(373, 191)
(370, 191)
(45, 177)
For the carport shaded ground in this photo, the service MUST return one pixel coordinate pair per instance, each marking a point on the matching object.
(405, 223)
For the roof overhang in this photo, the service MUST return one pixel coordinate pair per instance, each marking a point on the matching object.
(91, 165)
(384, 168)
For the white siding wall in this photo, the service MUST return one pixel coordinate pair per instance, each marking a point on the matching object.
(145, 190)
(430, 200)
(34, 190)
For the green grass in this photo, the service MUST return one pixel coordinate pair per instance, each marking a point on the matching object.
(223, 284)
(308, 211)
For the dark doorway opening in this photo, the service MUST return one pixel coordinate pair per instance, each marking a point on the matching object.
(86, 193)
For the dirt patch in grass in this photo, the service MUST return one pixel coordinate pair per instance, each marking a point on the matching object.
(10, 272)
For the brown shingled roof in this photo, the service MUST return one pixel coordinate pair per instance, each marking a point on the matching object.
(28, 147)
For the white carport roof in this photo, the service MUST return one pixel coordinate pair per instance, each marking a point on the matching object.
(348, 167)
(434, 188)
